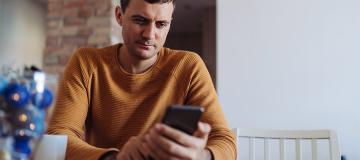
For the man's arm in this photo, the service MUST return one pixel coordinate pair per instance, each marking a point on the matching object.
(201, 92)
(71, 109)
(165, 142)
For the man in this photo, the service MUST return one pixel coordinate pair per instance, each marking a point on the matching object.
(111, 100)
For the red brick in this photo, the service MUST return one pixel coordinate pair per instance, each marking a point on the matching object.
(51, 59)
(51, 49)
(99, 4)
(99, 39)
(53, 41)
(103, 10)
(54, 69)
(54, 32)
(85, 12)
(70, 31)
(54, 14)
(63, 59)
(71, 12)
(54, 6)
(52, 1)
(54, 22)
(102, 30)
(98, 21)
(74, 40)
(85, 31)
(71, 21)
(74, 3)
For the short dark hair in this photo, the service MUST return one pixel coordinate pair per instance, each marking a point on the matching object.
(124, 3)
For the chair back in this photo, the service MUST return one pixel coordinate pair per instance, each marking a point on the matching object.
(287, 144)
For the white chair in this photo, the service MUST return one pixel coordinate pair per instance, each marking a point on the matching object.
(279, 141)
(51, 147)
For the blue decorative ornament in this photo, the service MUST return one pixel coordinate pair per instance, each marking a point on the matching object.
(22, 111)
(3, 84)
(21, 118)
(37, 125)
(28, 123)
(42, 114)
(16, 95)
(42, 100)
(22, 145)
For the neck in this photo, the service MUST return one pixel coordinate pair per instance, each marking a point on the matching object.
(133, 64)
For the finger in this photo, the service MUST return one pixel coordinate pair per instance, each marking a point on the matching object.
(168, 145)
(135, 154)
(203, 130)
(130, 150)
(177, 135)
(137, 151)
(144, 150)
(155, 151)
(122, 156)
(151, 146)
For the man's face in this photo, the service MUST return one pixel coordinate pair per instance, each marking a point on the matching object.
(145, 27)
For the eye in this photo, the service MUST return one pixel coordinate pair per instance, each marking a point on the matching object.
(161, 24)
(140, 21)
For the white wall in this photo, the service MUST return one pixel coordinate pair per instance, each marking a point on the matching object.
(291, 64)
(22, 33)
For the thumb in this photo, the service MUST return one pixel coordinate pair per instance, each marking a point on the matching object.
(203, 130)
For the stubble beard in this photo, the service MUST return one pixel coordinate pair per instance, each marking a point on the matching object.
(144, 56)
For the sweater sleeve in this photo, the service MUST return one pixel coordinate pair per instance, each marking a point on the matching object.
(201, 92)
(71, 108)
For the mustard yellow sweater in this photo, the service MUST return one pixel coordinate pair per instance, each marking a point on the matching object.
(100, 106)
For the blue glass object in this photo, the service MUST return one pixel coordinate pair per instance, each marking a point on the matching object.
(22, 145)
(16, 95)
(23, 101)
(21, 118)
(28, 123)
(42, 100)
(3, 84)
(38, 125)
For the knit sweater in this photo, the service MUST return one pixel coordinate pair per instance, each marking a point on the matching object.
(100, 106)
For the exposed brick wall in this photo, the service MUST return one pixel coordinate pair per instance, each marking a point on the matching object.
(72, 24)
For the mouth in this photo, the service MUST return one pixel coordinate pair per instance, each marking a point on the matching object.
(145, 45)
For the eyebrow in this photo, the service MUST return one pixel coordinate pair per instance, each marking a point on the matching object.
(139, 16)
(147, 19)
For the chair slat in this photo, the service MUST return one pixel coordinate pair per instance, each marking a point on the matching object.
(282, 149)
(334, 146)
(298, 149)
(252, 148)
(314, 149)
(266, 149)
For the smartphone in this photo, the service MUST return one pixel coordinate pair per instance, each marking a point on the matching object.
(183, 117)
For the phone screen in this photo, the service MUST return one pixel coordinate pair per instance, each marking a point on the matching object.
(183, 117)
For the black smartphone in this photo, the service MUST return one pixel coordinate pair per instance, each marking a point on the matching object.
(183, 117)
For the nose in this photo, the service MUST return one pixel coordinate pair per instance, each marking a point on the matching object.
(149, 31)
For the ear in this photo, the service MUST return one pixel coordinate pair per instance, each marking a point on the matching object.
(118, 15)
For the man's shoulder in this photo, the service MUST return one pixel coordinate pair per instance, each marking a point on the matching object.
(181, 55)
(91, 51)
(180, 62)
(90, 54)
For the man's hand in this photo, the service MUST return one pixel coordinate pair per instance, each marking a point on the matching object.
(133, 150)
(166, 143)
